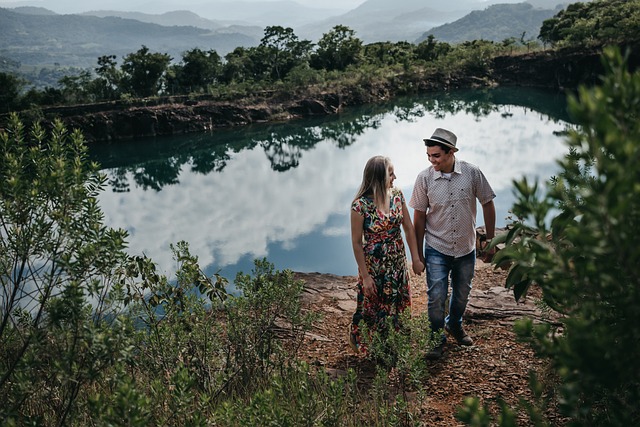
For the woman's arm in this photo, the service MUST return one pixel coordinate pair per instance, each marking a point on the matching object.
(357, 227)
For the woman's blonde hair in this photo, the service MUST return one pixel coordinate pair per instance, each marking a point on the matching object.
(374, 181)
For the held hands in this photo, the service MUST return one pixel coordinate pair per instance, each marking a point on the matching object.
(418, 266)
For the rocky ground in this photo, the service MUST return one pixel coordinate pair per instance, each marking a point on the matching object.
(495, 368)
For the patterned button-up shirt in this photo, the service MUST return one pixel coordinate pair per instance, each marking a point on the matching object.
(450, 204)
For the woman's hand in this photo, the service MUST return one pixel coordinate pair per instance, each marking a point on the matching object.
(368, 286)
(418, 266)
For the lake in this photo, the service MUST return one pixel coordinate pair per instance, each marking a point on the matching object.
(283, 191)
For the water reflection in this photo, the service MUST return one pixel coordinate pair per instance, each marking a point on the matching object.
(153, 164)
(283, 191)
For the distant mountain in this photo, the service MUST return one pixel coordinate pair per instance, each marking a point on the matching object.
(285, 13)
(31, 10)
(553, 4)
(75, 6)
(398, 20)
(175, 18)
(397, 6)
(185, 18)
(77, 40)
(214, 15)
(254, 32)
(495, 23)
(288, 13)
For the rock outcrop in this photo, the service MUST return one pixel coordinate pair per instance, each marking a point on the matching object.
(117, 122)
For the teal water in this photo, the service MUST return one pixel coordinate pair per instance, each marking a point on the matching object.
(283, 191)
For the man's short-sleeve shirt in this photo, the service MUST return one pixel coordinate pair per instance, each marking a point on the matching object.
(450, 204)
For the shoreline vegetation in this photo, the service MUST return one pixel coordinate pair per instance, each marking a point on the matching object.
(556, 69)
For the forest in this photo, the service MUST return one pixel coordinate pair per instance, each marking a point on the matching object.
(283, 62)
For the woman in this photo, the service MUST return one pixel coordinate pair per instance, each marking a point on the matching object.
(377, 212)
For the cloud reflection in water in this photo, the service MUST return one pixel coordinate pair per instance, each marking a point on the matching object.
(252, 209)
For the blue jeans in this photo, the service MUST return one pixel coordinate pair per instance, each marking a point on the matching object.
(439, 268)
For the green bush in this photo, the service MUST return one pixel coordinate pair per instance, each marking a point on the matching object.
(268, 309)
(401, 345)
(58, 329)
(577, 241)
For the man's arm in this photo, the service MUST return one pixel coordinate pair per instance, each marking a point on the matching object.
(489, 214)
(419, 224)
(410, 234)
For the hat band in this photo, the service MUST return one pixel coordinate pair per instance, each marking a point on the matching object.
(444, 141)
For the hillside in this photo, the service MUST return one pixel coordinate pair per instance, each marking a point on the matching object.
(410, 20)
(75, 40)
(169, 19)
(381, 26)
(287, 13)
(400, 20)
(495, 23)
(185, 18)
(216, 15)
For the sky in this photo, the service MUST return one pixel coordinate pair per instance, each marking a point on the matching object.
(75, 6)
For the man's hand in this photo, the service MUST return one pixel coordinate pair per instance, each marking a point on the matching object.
(487, 253)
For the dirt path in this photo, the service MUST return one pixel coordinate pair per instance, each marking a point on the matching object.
(495, 368)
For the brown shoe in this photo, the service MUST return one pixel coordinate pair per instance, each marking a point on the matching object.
(435, 353)
(460, 335)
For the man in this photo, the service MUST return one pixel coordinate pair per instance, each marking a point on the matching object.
(444, 202)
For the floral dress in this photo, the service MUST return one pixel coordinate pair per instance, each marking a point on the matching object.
(386, 261)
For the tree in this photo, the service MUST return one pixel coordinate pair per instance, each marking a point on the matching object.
(598, 22)
(10, 92)
(337, 49)
(387, 53)
(144, 71)
(198, 69)
(241, 65)
(474, 56)
(76, 89)
(508, 43)
(430, 49)
(578, 242)
(107, 85)
(47, 96)
(58, 263)
(548, 32)
(282, 50)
